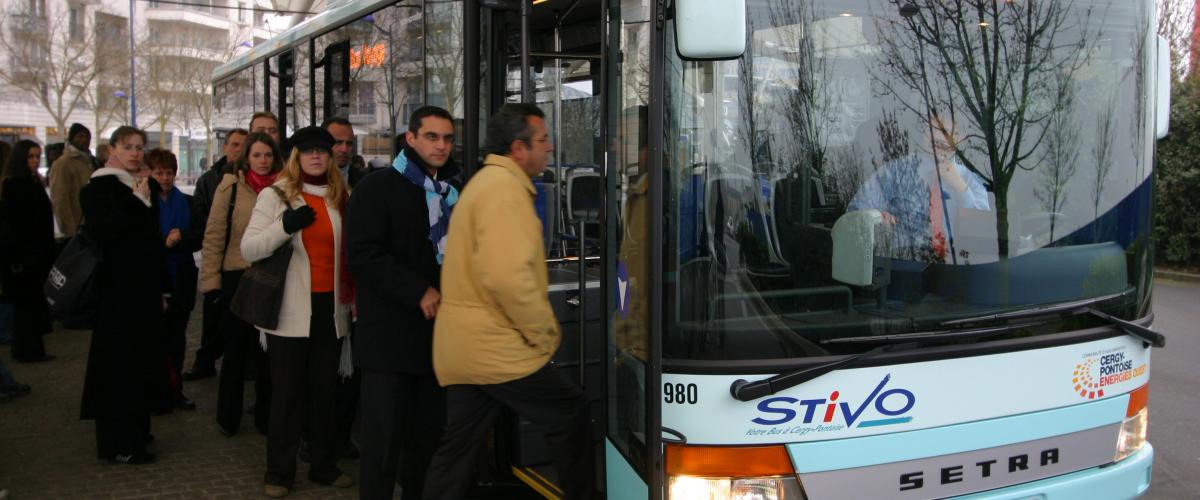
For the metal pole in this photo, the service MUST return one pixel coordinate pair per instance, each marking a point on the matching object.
(471, 57)
(132, 72)
(526, 91)
(559, 182)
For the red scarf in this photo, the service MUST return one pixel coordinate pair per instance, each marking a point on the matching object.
(259, 182)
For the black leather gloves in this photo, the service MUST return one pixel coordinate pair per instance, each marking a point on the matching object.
(295, 219)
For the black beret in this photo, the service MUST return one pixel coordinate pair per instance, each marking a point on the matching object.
(310, 138)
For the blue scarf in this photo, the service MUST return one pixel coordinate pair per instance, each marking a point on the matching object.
(175, 213)
(440, 197)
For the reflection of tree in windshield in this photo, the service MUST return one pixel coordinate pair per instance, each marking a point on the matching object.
(997, 67)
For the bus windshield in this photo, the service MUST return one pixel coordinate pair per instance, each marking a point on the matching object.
(874, 167)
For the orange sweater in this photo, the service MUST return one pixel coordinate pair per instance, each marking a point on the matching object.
(318, 242)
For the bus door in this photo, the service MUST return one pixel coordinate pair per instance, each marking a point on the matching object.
(632, 441)
(549, 54)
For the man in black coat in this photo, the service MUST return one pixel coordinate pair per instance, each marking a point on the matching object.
(212, 343)
(394, 252)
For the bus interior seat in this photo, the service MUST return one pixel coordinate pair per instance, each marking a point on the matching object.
(854, 260)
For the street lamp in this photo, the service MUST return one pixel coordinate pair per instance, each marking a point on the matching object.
(120, 94)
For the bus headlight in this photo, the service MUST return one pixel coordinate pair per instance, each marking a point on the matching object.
(1133, 430)
(731, 473)
(1132, 436)
(724, 488)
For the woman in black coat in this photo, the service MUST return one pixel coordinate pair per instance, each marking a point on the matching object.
(27, 234)
(127, 369)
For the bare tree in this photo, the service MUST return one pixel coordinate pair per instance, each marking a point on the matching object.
(1060, 156)
(990, 64)
(1102, 154)
(48, 58)
(444, 53)
(1175, 19)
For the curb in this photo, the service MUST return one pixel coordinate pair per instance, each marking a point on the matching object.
(1177, 276)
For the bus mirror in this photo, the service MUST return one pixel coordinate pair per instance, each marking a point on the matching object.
(1162, 98)
(710, 29)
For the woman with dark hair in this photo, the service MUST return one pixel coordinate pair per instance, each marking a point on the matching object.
(221, 269)
(28, 250)
(306, 212)
(182, 233)
(126, 372)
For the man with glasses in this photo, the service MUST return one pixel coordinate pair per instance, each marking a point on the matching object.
(395, 242)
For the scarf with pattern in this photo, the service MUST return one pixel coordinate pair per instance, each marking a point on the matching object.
(440, 198)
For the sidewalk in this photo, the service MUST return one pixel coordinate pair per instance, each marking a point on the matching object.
(1176, 275)
(47, 452)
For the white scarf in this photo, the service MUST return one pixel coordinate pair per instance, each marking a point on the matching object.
(125, 177)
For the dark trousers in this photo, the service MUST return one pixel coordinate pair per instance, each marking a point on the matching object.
(176, 319)
(212, 342)
(546, 397)
(399, 411)
(241, 343)
(347, 396)
(126, 434)
(31, 320)
(304, 377)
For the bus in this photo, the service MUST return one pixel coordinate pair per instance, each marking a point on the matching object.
(801, 249)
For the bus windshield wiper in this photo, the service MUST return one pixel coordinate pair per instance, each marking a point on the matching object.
(744, 390)
(1074, 308)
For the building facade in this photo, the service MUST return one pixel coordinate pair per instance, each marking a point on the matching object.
(69, 61)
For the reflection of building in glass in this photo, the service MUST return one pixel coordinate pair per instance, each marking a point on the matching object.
(177, 48)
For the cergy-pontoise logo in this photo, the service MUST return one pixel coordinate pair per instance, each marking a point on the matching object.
(882, 406)
(1104, 369)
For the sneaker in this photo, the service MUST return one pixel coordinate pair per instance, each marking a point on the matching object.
(183, 403)
(140, 457)
(275, 491)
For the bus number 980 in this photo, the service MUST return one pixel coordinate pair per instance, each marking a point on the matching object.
(680, 393)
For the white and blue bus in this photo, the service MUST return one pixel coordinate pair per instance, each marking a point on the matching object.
(802, 248)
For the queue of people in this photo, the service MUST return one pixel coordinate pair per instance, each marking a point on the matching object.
(409, 302)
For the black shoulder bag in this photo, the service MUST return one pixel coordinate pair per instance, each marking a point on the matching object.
(259, 295)
(71, 285)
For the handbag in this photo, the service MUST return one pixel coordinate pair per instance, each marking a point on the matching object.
(259, 294)
(70, 287)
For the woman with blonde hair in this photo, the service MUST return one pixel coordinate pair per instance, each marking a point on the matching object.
(304, 209)
(221, 270)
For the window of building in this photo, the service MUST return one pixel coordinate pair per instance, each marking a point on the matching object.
(75, 30)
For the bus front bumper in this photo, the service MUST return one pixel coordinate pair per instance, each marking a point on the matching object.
(1128, 478)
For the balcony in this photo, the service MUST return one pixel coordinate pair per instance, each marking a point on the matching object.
(175, 13)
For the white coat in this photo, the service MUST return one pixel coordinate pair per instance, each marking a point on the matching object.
(265, 233)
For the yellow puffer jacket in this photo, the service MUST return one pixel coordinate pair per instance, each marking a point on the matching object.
(495, 323)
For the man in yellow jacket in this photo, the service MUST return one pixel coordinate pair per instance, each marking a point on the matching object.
(495, 330)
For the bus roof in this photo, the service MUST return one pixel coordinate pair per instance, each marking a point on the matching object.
(337, 14)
